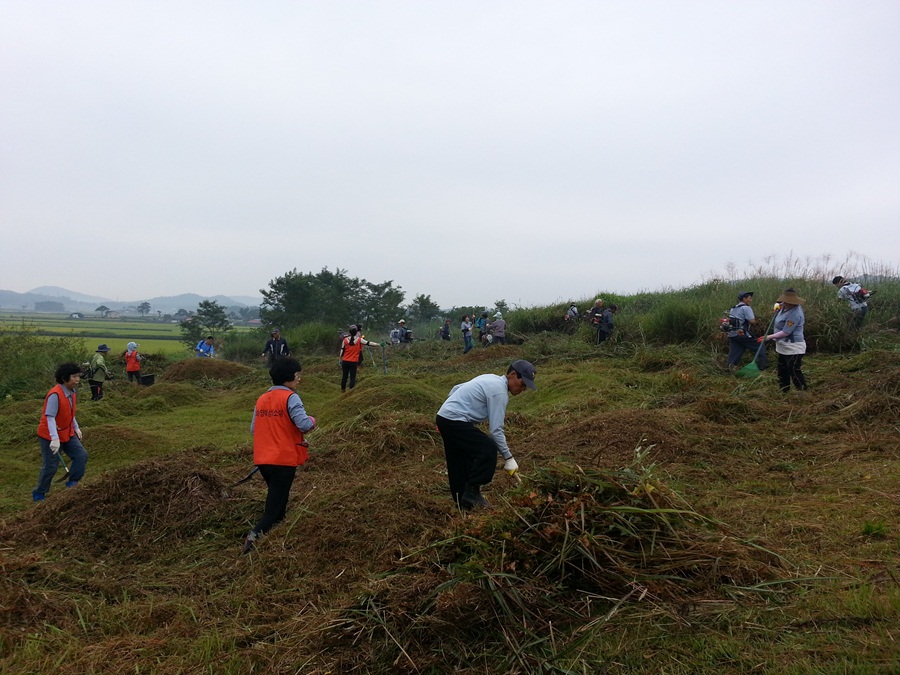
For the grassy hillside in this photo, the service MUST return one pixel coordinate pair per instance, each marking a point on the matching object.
(671, 518)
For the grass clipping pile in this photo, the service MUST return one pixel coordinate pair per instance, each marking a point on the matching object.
(532, 581)
(134, 513)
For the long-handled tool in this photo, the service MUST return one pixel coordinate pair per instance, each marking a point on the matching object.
(65, 476)
(383, 360)
(751, 369)
(247, 477)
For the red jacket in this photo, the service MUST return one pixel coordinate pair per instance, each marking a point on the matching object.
(65, 416)
(276, 439)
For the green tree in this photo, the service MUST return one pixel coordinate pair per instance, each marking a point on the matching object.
(423, 309)
(103, 309)
(209, 319)
(381, 304)
(501, 306)
(143, 308)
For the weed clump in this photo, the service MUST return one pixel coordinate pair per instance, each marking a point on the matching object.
(536, 579)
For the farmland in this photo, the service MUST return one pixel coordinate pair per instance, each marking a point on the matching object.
(153, 337)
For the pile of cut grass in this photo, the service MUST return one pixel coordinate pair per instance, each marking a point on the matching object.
(532, 582)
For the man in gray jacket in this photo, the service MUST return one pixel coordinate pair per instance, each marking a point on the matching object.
(471, 454)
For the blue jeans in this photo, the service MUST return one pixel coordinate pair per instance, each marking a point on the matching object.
(467, 338)
(76, 452)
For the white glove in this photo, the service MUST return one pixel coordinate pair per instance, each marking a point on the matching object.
(510, 466)
(54, 446)
(79, 434)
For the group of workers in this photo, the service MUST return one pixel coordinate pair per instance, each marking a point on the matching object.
(280, 422)
(787, 330)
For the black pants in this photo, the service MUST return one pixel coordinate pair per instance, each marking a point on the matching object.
(134, 375)
(279, 479)
(349, 371)
(790, 370)
(603, 335)
(96, 389)
(471, 455)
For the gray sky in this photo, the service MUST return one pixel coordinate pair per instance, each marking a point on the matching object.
(472, 151)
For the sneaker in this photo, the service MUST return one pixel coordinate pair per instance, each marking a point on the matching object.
(38, 496)
(250, 542)
(71, 483)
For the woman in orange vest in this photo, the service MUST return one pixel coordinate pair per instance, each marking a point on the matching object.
(133, 362)
(351, 350)
(279, 447)
(58, 430)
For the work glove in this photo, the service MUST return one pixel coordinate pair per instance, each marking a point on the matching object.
(78, 434)
(54, 446)
(511, 466)
(776, 307)
(760, 339)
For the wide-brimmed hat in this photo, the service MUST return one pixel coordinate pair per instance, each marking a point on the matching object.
(102, 348)
(790, 297)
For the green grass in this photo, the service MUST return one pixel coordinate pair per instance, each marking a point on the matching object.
(137, 570)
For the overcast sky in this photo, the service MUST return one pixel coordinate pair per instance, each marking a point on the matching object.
(471, 151)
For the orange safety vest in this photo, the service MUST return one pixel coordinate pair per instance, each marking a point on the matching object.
(276, 439)
(352, 351)
(132, 365)
(65, 416)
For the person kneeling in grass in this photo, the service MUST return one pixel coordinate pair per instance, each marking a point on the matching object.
(278, 427)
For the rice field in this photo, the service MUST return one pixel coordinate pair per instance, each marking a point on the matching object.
(152, 336)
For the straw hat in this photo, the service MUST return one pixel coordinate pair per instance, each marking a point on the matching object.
(790, 297)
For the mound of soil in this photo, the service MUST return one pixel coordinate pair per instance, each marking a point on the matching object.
(194, 370)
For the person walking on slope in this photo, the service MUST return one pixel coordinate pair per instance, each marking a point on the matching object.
(856, 297)
(99, 372)
(741, 338)
(607, 323)
(133, 362)
(789, 341)
(279, 445)
(59, 430)
(470, 453)
(275, 346)
(351, 351)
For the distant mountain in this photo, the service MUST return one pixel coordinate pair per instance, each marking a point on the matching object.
(72, 301)
(57, 292)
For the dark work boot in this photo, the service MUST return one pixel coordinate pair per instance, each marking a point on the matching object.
(472, 498)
